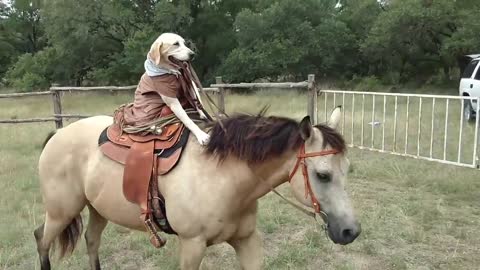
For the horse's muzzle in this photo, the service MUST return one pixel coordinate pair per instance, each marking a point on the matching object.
(343, 234)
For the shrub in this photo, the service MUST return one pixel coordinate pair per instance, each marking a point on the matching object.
(370, 83)
(34, 72)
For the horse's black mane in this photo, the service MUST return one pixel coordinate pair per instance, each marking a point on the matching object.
(255, 138)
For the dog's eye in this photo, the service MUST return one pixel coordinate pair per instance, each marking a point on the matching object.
(176, 43)
(323, 177)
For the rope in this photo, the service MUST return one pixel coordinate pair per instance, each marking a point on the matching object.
(159, 123)
(210, 102)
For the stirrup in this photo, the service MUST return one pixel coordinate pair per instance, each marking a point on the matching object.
(155, 239)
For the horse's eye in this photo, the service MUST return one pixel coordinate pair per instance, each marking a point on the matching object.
(323, 177)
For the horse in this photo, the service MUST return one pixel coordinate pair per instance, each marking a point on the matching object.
(212, 194)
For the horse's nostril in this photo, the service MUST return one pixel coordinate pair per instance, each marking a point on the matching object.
(351, 234)
(347, 233)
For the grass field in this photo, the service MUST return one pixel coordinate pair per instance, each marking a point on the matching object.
(415, 214)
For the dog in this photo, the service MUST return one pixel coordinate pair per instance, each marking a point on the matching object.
(165, 76)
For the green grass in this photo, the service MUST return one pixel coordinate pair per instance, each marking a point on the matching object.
(415, 214)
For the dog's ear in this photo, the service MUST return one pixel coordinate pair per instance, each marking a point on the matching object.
(156, 52)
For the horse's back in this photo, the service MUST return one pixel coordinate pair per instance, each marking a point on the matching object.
(74, 137)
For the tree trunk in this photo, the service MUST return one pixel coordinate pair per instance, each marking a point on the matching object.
(402, 70)
(446, 71)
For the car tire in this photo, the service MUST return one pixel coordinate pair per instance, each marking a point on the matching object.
(468, 112)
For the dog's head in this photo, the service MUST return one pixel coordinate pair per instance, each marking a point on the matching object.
(169, 45)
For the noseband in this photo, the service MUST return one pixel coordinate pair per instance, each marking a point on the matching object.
(301, 156)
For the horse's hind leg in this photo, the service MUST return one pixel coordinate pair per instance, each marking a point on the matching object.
(67, 230)
(42, 250)
(93, 235)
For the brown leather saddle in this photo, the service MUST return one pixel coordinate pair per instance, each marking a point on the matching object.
(145, 158)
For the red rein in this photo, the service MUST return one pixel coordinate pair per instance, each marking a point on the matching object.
(301, 160)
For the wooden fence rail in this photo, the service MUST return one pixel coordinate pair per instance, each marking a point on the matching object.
(219, 88)
(14, 95)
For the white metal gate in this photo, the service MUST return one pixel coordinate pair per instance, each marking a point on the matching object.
(429, 127)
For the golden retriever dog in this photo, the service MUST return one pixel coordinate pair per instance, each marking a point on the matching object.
(159, 62)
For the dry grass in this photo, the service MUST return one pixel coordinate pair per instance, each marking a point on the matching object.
(415, 214)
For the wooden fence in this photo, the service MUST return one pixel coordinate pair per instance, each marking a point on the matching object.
(219, 88)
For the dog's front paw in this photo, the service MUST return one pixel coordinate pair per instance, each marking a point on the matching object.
(202, 115)
(203, 138)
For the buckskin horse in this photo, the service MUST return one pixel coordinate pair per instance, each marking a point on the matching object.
(211, 196)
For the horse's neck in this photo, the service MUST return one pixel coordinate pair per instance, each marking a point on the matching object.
(270, 174)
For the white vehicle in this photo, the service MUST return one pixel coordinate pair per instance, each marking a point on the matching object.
(470, 85)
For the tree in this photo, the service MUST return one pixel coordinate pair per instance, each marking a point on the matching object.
(465, 39)
(35, 72)
(125, 65)
(360, 16)
(21, 31)
(105, 42)
(289, 38)
(408, 37)
(212, 33)
(87, 34)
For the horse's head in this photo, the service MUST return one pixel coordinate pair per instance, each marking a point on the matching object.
(322, 183)
(266, 144)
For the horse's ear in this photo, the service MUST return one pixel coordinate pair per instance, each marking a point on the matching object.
(306, 128)
(335, 117)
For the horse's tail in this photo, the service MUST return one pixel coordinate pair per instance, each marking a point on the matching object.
(67, 240)
(49, 136)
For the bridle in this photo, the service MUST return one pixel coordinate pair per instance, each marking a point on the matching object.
(301, 156)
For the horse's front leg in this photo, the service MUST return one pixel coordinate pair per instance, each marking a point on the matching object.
(249, 251)
(192, 251)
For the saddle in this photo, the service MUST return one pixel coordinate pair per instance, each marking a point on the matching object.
(145, 157)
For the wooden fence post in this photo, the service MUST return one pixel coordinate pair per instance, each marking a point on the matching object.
(312, 107)
(221, 95)
(57, 108)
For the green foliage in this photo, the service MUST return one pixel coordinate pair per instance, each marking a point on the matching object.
(416, 38)
(465, 40)
(367, 83)
(289, 38)
(20, 31)
(408, 38)
(34, 72)
(125, 66)
(92, 42)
